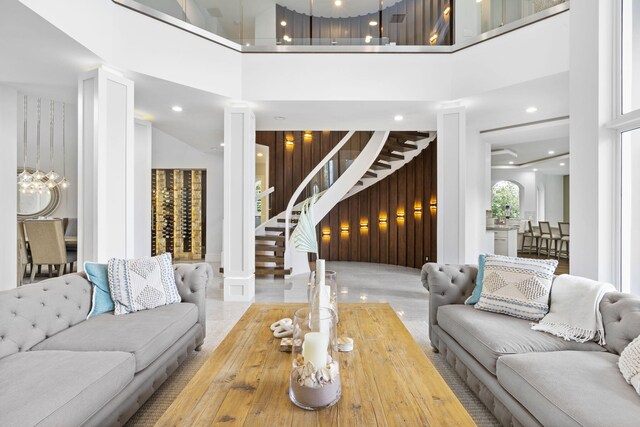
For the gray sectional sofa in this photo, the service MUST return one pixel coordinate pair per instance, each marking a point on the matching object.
(531, 378)
(59, 369)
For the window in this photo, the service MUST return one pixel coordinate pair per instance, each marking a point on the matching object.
(630, 46)
(630, 218)
(503, 194)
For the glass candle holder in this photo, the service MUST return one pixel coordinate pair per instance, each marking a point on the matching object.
(324, 297)
(315, 373)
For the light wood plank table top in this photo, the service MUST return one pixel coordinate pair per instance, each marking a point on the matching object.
(387, 380)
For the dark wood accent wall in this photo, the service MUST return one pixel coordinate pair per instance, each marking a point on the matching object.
(420, 18)
(289, 164)
(400, 240)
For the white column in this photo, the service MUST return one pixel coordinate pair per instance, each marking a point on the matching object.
(142, 189)
(8, 187)
(592, 146)
(239, 200)
(106, 167)
(451, 184)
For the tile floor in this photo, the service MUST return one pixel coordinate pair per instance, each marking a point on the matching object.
(357, 282)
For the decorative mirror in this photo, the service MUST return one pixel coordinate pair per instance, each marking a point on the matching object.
(36, 204)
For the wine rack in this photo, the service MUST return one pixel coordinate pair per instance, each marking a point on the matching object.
(178, 210)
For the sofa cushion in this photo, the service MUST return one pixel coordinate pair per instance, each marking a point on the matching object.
(571, 388)
(142, 284)
(147, 334)
(60, 388)
(518, 287)
(31, 313)
(621, 319)
(101, 301)
(487, 336)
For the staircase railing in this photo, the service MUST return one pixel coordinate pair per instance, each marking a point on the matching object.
(330, 192)
(307, 180)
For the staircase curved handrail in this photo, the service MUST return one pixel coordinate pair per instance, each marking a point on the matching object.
(307, 180)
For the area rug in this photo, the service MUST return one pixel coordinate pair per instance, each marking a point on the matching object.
(157, 404)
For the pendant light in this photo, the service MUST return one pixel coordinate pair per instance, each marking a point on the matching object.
(64, 183)
(37, 184)
(25, 178)
(52, 176)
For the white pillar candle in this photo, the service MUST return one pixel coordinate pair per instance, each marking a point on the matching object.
(314, 348)
(320, 272)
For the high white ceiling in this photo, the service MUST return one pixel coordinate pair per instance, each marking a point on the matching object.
(45, 61)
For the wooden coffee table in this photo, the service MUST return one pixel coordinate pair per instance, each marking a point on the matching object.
(386, 380)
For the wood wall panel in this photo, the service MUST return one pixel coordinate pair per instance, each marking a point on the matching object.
(405, 242)
(401, 242)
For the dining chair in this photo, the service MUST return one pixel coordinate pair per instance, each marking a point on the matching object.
(547, 237)
(530, 233)
(23, 254)
(564, 239)
(46, 241)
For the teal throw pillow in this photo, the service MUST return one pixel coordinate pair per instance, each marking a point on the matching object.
(101, 301)
(475, 296)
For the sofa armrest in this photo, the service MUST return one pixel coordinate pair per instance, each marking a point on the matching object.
(447, 284)
(192, 281)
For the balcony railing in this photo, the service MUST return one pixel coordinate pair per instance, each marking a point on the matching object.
(348, 25)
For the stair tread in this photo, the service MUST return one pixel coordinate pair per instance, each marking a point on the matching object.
(371, 174)
(269, 248)
(270, 237)
(380, 165)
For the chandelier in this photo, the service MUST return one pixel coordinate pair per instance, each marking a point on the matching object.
(38, 181)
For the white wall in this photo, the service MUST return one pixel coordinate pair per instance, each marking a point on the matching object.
(478, 199)
(169, 152)
(554, 198)
(142, 184)
(68, 207)
(467, 16)
(8, 226)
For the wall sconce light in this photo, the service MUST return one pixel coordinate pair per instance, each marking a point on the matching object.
(417, 209)
(446, 11)
(383, 220)
(326, 233)
(400, 215)
(433, 205)
(288, 140)
(344, 229)
(433, 39)
(364, 225)
(307, 134)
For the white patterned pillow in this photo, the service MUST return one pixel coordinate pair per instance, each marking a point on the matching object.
(141, 284)
(518, 287)
(629, 363)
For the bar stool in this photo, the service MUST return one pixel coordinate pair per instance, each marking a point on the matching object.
(531, 234)
(547, 236)
(564, 239)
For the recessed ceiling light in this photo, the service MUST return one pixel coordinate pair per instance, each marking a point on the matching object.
(535, 170)
(283, 23)
(373, 23)
(478, 1)
(338, 2)
(510, 163)
(177, 108)
(278, 118)
(552, 152)
(259, 154)
(531, 109)
(286, 38)
(398, 118)
(562, 164)
(222, 144)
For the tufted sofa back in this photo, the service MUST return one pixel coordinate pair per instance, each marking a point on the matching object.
(32, 313)
(621, 318)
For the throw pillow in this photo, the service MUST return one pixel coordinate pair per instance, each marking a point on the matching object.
(629, 363)
(518, 287)
(475, 296)
(141, 284)
(101, 301)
